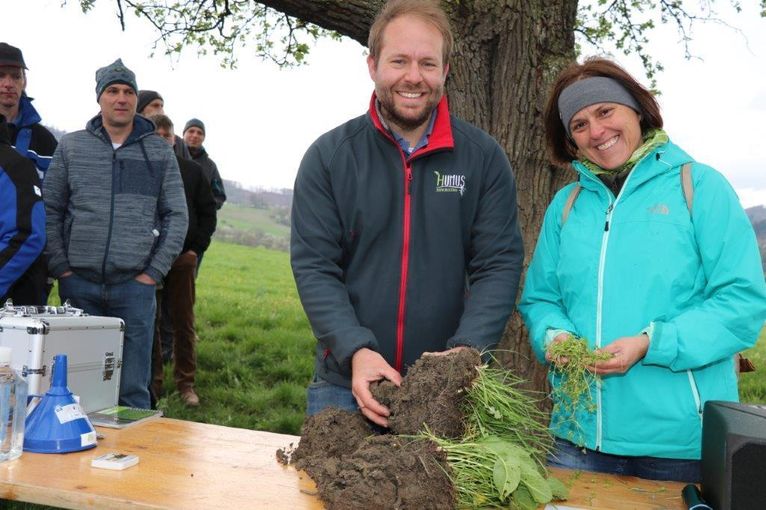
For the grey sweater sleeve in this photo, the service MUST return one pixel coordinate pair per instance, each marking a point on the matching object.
(56, 197)
(174, 220)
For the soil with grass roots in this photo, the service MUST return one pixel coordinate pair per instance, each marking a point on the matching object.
(355, 466)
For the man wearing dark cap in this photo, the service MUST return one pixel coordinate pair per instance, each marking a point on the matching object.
(194, 136)
(31, 140)
(150, 103)
(27, 135)
(116, 220)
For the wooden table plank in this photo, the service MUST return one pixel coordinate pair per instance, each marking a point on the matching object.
(598, 491)
(183, 465)
(187, 465)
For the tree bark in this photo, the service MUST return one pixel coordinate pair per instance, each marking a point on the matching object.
(507, 53)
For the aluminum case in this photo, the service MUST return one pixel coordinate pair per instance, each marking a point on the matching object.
(93, 346)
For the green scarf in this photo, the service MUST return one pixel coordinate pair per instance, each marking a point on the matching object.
(651, 140)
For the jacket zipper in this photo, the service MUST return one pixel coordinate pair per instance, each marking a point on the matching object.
(695, 393)
(599, 309)
(111, 217)
(600, 293)
(398, 361)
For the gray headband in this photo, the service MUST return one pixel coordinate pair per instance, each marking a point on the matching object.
(597, 89)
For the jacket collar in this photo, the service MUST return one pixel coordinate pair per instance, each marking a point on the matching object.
(142, 128)
(662, 159)
(27, 113)
(441, 136)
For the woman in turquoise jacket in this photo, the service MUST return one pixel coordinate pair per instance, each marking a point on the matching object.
(669, 282)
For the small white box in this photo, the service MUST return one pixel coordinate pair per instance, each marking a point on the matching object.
(93, 346)
(116, 461)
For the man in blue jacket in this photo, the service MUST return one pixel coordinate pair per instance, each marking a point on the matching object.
(404, 225)
(22, 217)
(33, 141)
(116, 220)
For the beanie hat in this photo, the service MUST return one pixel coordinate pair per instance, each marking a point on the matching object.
(116, 72)
(11, 56)
(145, 97)
(195, 123)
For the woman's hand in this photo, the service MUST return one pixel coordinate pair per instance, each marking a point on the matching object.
(561, 360)
(626, 352)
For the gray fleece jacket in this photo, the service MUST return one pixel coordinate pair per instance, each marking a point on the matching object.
(113, 214)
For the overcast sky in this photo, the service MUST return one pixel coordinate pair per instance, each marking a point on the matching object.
(261, 119)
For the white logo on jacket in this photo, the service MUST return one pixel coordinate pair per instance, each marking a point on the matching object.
(450, 183)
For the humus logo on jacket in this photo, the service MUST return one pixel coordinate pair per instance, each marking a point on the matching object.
(450, 183)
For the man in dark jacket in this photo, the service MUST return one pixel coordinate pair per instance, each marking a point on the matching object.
(404, 225)
(33, 141)
(22, 218)
(151, 103)
(179, 288)
(116, 220)
(194, 136)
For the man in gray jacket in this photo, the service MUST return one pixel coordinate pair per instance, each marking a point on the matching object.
(116, 220)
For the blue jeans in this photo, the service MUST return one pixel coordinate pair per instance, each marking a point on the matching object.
(322, 394)
(569, 456)
(134, 303)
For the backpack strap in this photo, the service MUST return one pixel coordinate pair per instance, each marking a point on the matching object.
(570, 202)
(686, 185)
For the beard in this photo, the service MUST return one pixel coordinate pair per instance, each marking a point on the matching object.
(407, 119)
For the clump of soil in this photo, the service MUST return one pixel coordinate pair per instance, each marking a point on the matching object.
(386, 472)
(432, 394)
(354, 467)
(331, 434)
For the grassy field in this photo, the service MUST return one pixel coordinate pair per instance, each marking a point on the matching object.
(250, 219)
(752, 386)
(255, 350)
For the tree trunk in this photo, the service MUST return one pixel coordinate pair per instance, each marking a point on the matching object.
(507, 53)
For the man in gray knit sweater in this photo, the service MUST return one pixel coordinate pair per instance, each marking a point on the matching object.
(116, 220)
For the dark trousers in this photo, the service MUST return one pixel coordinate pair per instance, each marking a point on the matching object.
(179, 291)
(569, 456)
(31, 287)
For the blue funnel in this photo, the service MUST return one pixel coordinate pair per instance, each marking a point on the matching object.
(58, 424)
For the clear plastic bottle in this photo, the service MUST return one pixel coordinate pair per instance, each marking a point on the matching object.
(13, 408)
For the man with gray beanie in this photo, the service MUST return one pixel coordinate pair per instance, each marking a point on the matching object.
(194, 136)
(116, 220)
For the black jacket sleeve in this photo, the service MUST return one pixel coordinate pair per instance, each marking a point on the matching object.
(315, 256)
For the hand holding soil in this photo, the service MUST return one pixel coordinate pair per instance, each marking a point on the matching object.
(367, 367)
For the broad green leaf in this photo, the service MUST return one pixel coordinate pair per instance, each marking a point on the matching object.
(521, 499)
(538, 487)
(506, 476)
(503, 448)
(558, 489)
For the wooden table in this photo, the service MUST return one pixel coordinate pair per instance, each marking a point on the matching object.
(187, 465)
(599, 491)
(183, 465)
